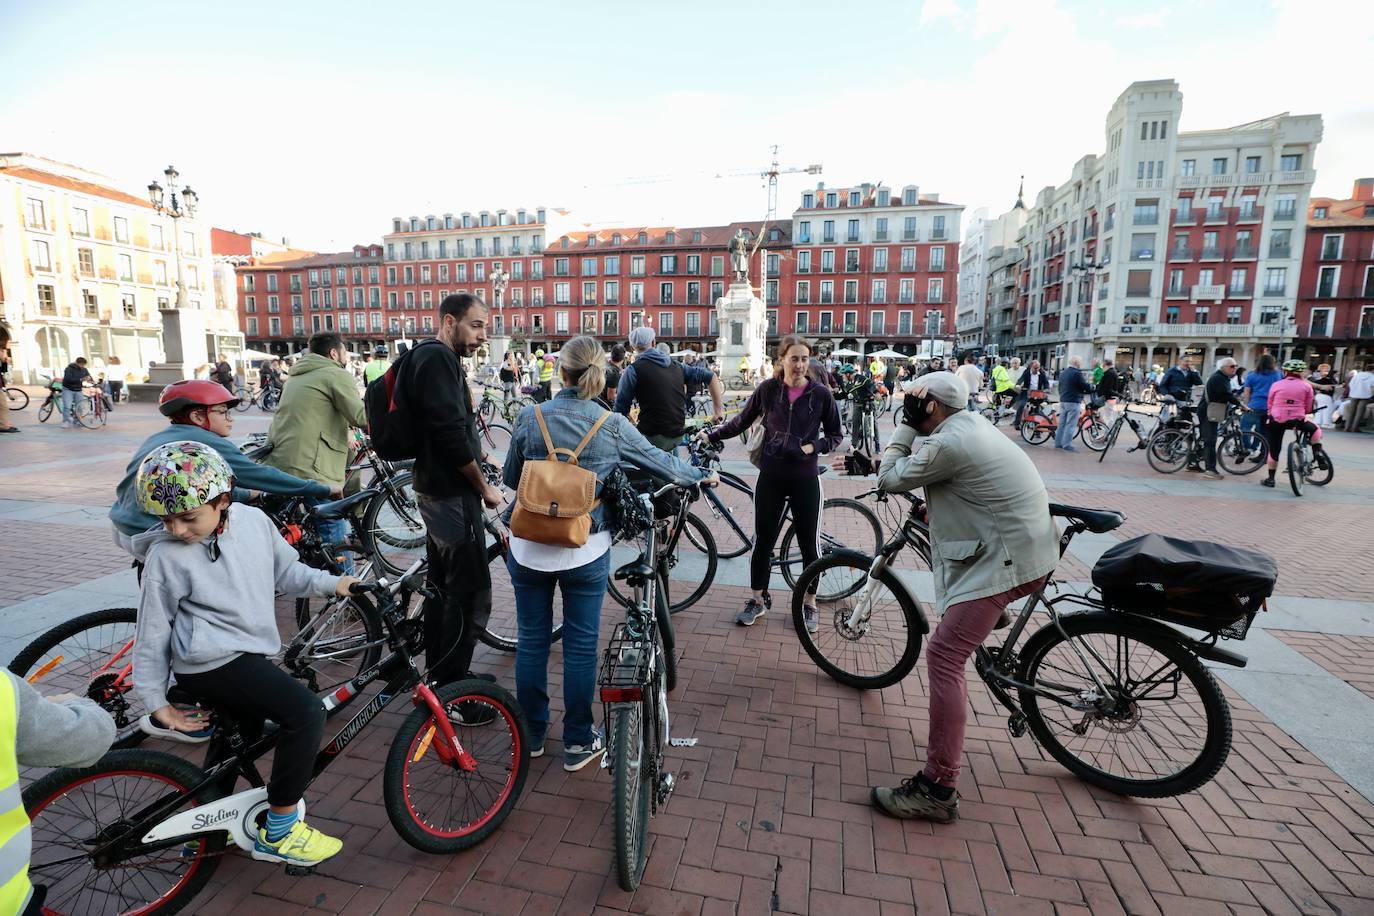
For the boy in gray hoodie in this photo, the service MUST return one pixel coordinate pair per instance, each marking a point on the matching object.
(206, 615)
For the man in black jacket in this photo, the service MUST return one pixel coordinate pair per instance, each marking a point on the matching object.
(451, 489)
(1218, 394)
(1033, 379)
(1179, 381)
(1110, 386)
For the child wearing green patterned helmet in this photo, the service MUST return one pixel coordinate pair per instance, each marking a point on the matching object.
(206, 614)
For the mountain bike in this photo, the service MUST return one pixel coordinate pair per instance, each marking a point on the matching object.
(1240, 451)
(144, 830)
(495, 437)
(1119, 698)
(18, 398)
(490, 405)
(999, 407)
(265, 398)
(863, 429)
(1304, 467)
(699, 547)
(1142, 439)
(846, 524)
(638, 670)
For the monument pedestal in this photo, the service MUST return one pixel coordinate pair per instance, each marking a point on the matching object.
(183, 345)
(743, 324)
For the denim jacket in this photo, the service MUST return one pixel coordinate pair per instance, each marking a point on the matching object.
(568, 418)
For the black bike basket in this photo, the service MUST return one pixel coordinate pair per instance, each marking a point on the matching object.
(1198, 584)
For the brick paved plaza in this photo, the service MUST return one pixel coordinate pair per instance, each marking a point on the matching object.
(771, 812)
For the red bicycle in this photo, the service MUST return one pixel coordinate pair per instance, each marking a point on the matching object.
(1040, 422)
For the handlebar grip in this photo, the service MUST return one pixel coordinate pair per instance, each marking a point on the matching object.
(364, 588)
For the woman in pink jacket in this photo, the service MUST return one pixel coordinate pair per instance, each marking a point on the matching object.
(1290, 407)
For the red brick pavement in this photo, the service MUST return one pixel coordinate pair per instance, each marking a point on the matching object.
(38, 558)
(1350, 658)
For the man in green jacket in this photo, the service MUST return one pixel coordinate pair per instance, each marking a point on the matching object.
(377, 367)
(310, 432)
(992, 541)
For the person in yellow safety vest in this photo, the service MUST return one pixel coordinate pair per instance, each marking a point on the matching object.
(36, 732)
(877, 369)
(545, 379)
(377, 367)
(1001, 378)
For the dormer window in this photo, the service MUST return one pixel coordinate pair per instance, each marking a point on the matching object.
(563, 242)
(808, 201)
(396, 225)
(644, 238)
(774, 235)
(615, 238)
(696, 237)
(671, 238)
(414, 224)
(591, 241)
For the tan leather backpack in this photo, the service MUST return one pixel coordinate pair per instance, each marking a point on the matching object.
(554, 502)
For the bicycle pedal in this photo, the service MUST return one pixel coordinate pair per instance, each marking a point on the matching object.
(1017, 725)
(682, 742)
(300, 871)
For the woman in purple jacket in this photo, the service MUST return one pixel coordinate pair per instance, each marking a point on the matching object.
(800, 422)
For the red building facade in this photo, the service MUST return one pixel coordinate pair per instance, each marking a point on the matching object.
(1335, 308)
(284, 298)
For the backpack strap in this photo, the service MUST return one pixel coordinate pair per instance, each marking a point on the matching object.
(572, 454)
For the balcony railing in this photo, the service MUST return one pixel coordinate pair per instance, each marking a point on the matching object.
(1182, 254)
(1145, 221)
(1208, 293)
(1211, 254)
(880, 237)
(1244, 252)
(1243, 291)
(1280, 251)
(1138, 293)
(1285, 213)
(937, 235)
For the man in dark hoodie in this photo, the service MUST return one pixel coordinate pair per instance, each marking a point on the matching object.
(660, 387)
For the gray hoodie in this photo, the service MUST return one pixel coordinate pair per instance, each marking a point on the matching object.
(195, 615)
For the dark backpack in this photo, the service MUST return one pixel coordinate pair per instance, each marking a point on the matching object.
(394, 432)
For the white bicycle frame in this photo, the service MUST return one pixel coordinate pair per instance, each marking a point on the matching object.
(237, 815)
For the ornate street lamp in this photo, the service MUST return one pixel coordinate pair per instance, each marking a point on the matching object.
(499, 281)
(175, 202)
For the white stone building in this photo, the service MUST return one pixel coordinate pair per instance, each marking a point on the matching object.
(1170, 242)
(985, 238)
(85, 268)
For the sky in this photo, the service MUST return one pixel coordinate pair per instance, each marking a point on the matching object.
(321, 121)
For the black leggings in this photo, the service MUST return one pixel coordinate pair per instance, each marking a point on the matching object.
(250, 688)
(771, 492)
(1274, 433)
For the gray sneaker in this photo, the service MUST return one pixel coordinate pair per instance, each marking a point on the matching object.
(753, 610)
(576, 756)
(912, 800)
(809, 618)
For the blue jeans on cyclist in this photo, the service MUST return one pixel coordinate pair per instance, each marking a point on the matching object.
(335, 531)
(583, 588)
(71, 403)
(1068, 424)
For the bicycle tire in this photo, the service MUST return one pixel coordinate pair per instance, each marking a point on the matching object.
(245, 399)
(1319, 475)
(496, 437)
(735, 541)
(269, 400)
(45, 797)
(364, 636)
(1035, 433)
(630, 749)
(830, 621)
(1094, 435)
(499, 639)
(1235, 458)
(703, 542)
(1111, 440)
(1297, 471)
(791, 562)
(18, 398)
(496, 750)
(1168, 452)
(45, 410)
(86, 413)
(382, 540)
(1217, 740)
(37, 664)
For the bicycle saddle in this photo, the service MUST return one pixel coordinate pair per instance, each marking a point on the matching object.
(1095, 520)
(636, 569)
(342, 508)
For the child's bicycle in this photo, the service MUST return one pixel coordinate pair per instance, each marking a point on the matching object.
(142, 831)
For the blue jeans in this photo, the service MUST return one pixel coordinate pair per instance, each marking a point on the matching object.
(584, 588)
(1068, 423)
(335, 531)
(71, 401)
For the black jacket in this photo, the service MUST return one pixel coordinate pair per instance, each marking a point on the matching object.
(1179, 384)
(437, 395)
(1110, 386)
(1219, 390)
(1041, 381)
(73, 375)
(1073, 384)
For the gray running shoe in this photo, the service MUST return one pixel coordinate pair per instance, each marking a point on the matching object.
(576, 756)
(912, 800)
(753, 610)
(809, 618)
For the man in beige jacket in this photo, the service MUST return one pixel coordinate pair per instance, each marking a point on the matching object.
(992, 541)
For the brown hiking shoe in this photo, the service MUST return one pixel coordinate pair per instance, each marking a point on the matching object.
(912, 800)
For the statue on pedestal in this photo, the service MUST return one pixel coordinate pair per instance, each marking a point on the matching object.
(739, 256)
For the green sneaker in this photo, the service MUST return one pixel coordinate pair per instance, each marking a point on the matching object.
(303, 846)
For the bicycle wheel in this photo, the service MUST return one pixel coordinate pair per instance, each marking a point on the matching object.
(1242, 452)
(18, 398)
(336, 644)
(1095, 435)
(443, 808)
(1164, 730)
(1297, 468)
(726, 504)
(487, 409)
(845, 524)
(86, 413)
(632, 753)
(45, 410)
(1168, 451)
(1320, 470)
(86, 656)
(77, 812)
(1035, 428)
(869, 634)
(245, 399)
(392, 529)
(694, 556)
(496, 440)
(269, 399)
(502, 631)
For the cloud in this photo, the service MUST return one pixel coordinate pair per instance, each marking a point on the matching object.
(1154, 19)
(933, 12)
